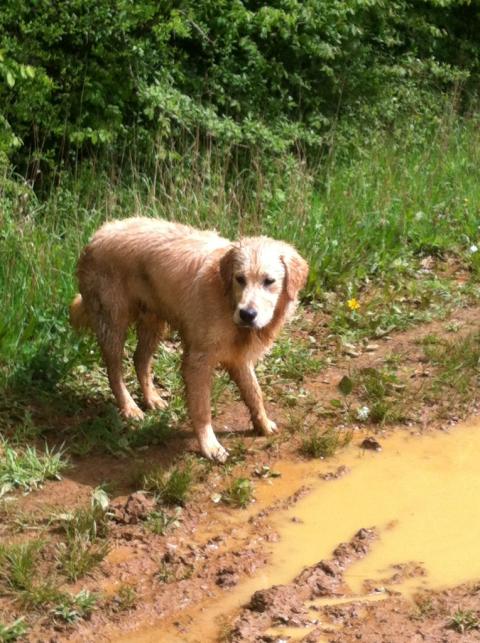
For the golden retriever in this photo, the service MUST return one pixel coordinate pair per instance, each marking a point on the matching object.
(227, 300)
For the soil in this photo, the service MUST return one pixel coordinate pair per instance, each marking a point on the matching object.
(216, 546)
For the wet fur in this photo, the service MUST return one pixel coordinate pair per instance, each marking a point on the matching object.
(151, 273)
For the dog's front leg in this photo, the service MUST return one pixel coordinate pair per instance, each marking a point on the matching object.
(197, 373)
(246, 380)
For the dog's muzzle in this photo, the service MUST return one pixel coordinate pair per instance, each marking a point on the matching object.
(247, 316)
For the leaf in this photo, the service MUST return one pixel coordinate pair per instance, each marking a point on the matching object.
(345, 386)
(337, 404)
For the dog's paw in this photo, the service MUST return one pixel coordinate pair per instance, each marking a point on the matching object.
(132, 412)
(218, 454)
(211, 447)
(266, 428)
(270, 428)
(154, 401)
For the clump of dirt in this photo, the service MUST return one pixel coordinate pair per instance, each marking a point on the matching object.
(285, 604)
(133, 509)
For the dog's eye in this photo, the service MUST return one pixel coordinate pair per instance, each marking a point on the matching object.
(241, 280)
(268, 281)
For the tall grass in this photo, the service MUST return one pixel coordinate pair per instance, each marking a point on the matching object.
(367, 216)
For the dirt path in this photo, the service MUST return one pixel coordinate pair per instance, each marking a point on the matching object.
(217, 549)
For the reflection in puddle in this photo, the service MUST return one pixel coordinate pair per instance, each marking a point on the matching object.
(421, 493)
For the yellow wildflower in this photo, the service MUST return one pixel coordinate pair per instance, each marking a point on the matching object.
(353, 304)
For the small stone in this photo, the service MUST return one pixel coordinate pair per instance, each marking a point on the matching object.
(371, 443)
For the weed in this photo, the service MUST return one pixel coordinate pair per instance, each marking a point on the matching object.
(464, 621)
(85, 530)
(171, 488)
(424, 605)
(80, 556)
(291, 359)
(18, 564)
(19, 575)
(27, 469)
(380, 389)
(457, 365)
(160, 522)
(110, 433)
(14, 631)
(238, 451)
(172, 570)
(239, 493)
(73, 608)
(125, 599)
(324, 445)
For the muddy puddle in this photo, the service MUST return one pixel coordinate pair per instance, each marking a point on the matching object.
(422, 495)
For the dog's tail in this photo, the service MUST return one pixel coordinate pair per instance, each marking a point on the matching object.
(78, 314)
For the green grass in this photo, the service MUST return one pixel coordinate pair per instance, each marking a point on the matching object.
(240, 493)
(125, 599)
(291, 359)
(374, 215)
(324, 445)
(456, 376)
(73, 608)
(13, 631)
(20, 578)
(26, 468)
(170, 487)
(85, 531)
(464, 621)
(160, 522)
(372, 219)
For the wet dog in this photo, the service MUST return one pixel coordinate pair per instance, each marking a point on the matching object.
(227, 300)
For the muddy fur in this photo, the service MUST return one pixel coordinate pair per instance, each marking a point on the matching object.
(227, 300)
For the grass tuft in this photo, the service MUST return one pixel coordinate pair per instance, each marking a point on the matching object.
(160, 522)
(171, 488)
(19, 575)
(324, 445)
(240, 493)
(125, 599)
(85, 532)
(464, 621)
(27, 469)
(14, 631)
(72, 608)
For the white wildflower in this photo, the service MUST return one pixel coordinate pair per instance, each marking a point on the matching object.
(362, 413)
(473, 249)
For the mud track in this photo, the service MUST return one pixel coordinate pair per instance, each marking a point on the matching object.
(217, 548)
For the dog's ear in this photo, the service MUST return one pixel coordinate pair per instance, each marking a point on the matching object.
(296, 270)
(226, 267)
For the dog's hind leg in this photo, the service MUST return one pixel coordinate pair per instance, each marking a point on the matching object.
(111, 330)
(150, 330)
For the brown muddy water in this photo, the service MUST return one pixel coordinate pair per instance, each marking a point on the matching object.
(422, 493)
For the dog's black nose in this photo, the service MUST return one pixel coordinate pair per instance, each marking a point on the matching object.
(247, 315)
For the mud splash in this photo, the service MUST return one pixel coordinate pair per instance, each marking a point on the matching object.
(421, 493)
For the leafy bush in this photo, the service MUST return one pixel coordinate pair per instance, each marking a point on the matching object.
(84, 75)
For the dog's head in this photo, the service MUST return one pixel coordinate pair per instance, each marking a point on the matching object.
(259, 272)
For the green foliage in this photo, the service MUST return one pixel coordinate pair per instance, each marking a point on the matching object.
(82, 75)
(26, 468)
(172, 487)
(239, 494)
(85, 531)
(160, 522)
(72, 608)
(14, 631)
(324, 445)
(464, 621)
(19, 576)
